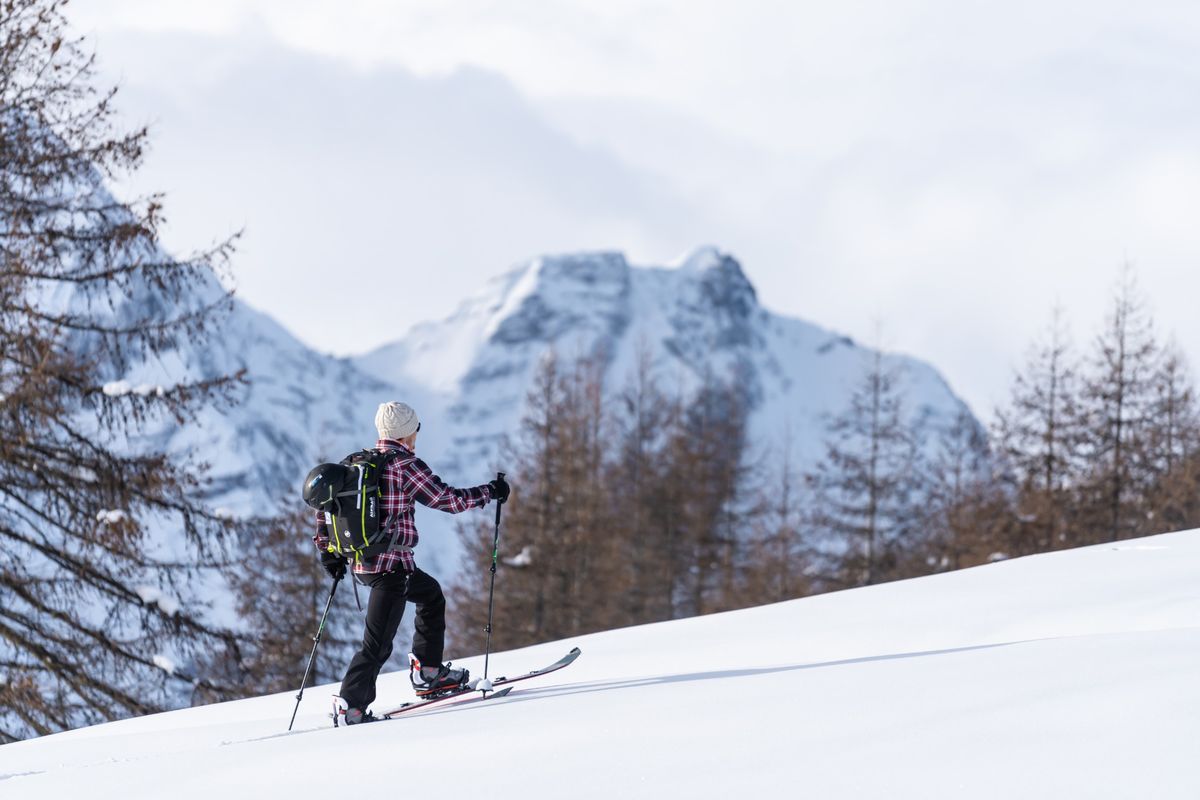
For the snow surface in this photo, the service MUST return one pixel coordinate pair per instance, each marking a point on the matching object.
(111, 516)
(521, 559)
(152, 594)
(1070, 674)
(122, 388)
(164, 663)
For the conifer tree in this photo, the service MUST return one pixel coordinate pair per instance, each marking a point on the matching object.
(637, 483)
(104, 541)
(1173, 442)
(1117, 401)
(962, 504)
(704, 458)
(279, 605)
(564, 571)
(866, 483)
(780, 566)
(1039, 438)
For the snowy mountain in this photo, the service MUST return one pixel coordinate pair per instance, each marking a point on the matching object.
(295, 403)
(297, 407)
(469, 374)
(1069, 674)
(700, 315)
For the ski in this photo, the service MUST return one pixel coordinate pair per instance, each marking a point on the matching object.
(461, 699)
(500, 687)
(565, 661)
(472, 687)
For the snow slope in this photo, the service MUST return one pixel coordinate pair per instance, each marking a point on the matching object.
(1071, 674)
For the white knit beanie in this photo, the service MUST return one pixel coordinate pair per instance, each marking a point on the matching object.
(396, 420)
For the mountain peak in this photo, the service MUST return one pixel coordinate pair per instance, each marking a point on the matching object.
(699, 259)
(722, 283)
(584, 267)
(696, 319)
(558, 294)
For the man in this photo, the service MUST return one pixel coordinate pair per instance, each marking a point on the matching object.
(393, 576)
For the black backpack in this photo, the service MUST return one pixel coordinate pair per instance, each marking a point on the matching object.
(350, 493)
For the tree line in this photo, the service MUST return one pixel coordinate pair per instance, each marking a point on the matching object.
(1094, 445)
(643, 504)
(623, 516)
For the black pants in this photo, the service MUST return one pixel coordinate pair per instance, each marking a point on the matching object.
(385, 608)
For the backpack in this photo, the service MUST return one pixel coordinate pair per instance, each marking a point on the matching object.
(350, 493)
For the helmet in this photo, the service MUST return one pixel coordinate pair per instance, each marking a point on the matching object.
(323, 483)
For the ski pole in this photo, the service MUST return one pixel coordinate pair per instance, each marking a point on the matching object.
(313, 656)
(492, 590)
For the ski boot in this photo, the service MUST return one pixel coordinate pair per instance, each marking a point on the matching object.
(344, 715)
(434, 681)
(357, 716)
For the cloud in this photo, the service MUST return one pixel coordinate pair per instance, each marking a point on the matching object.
(951, 168)
(373, 199)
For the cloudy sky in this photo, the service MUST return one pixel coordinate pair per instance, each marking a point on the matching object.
(943, 170)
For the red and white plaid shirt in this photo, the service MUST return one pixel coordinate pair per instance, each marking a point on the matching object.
(407, 480)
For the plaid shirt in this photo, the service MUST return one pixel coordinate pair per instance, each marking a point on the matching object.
(407, 479)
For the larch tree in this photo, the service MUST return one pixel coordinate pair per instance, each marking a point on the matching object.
(105, 542)
(1173, 445)
(780, 566)
(279, 606)
(1039, 438)
(962, 506)
(637, 483)
(865, 485)
(1117, 401)
(560, 570)
(704, 460)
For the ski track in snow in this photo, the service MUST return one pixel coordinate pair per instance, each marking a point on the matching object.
(18, 775)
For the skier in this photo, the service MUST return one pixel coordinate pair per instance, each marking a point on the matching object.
(392, 575)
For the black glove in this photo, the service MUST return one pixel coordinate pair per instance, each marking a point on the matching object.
(334, 564)
(499, 489)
